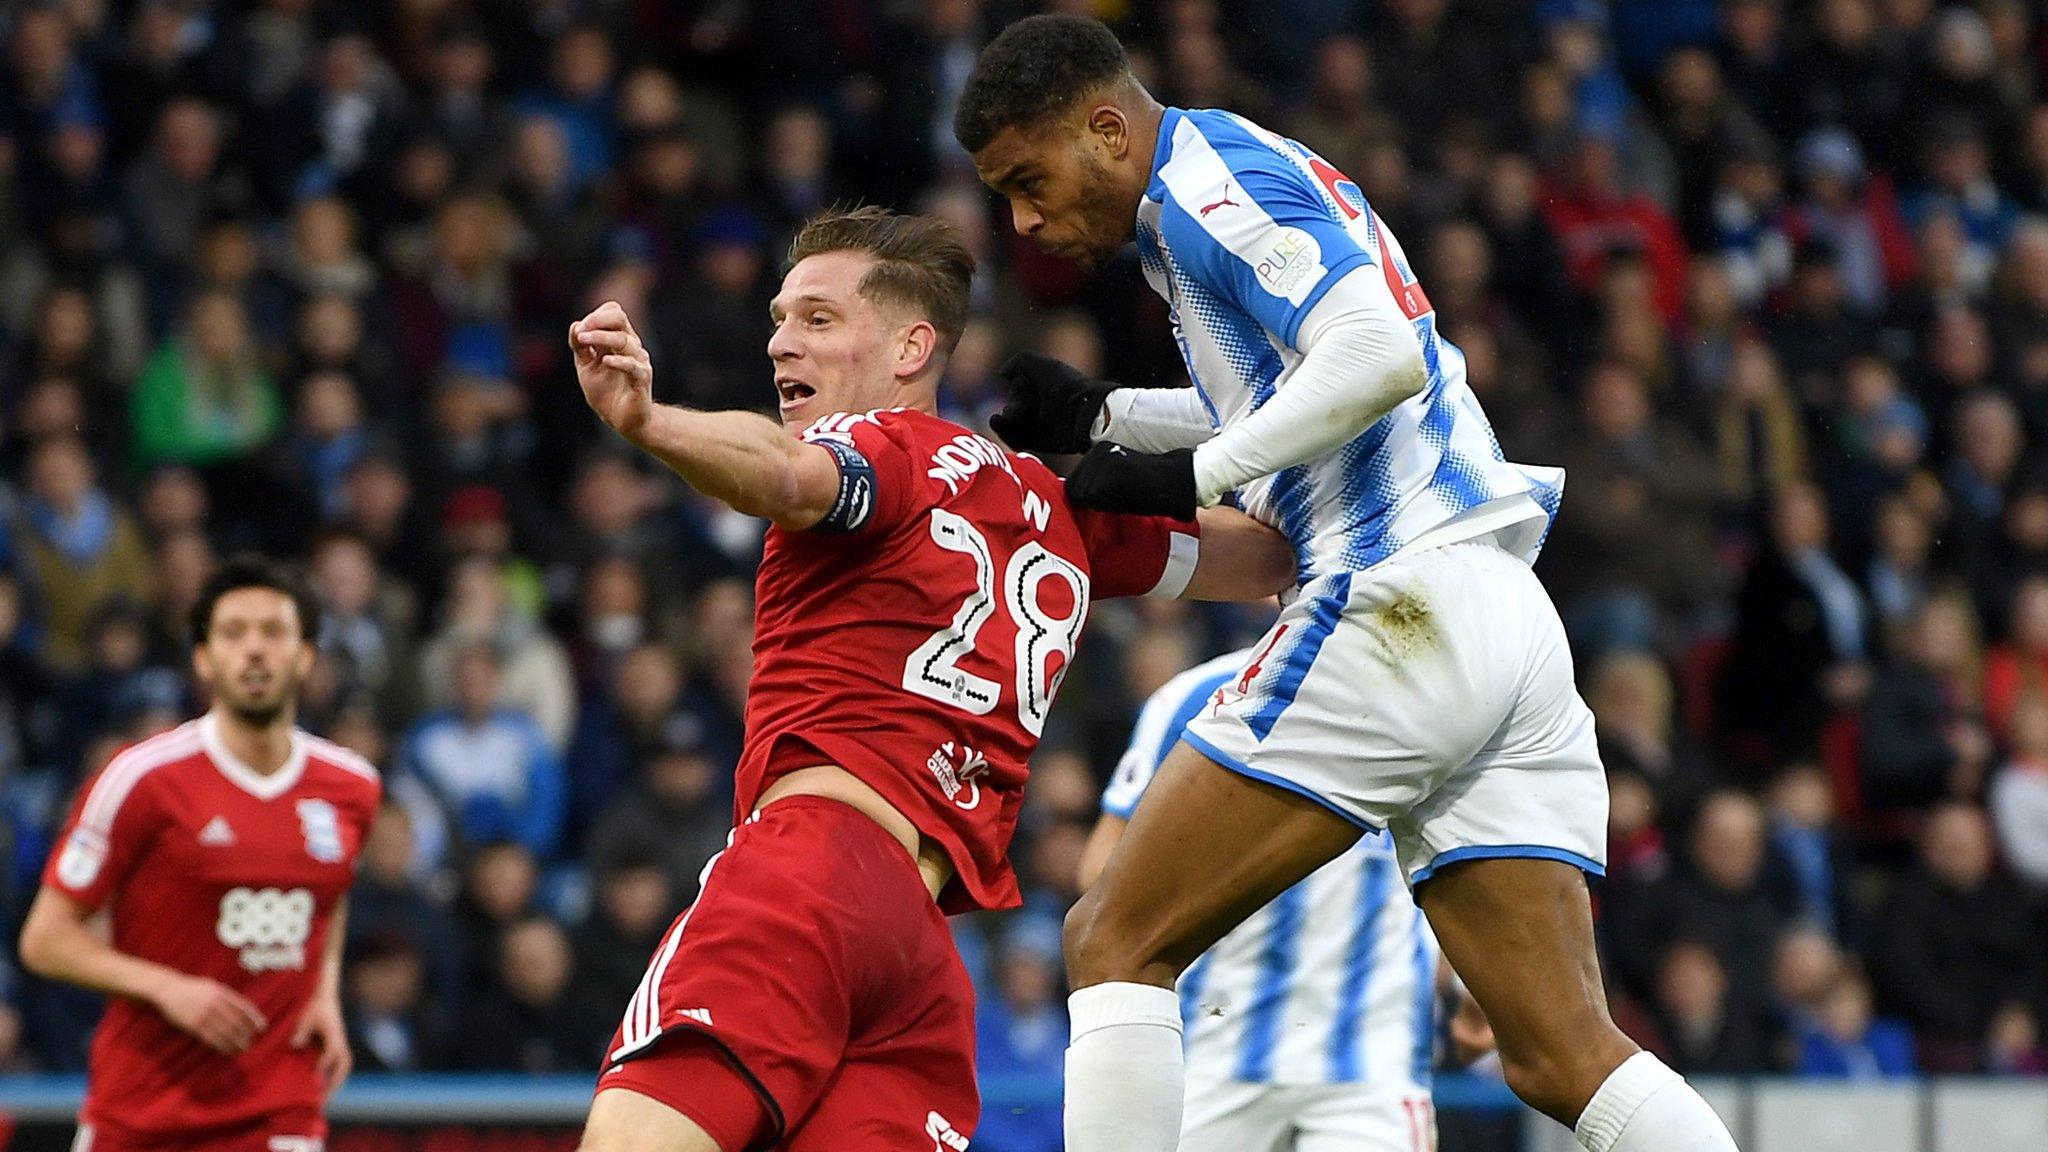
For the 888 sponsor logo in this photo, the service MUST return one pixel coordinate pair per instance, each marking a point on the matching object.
(268, 926)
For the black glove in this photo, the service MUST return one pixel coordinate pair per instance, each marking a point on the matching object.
(1048, 406)
(1115, 479)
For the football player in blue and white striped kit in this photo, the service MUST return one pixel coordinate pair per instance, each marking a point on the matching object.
(1419, 683)
(1311, 1025)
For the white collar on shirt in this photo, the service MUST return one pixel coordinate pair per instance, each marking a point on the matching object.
(257, 784)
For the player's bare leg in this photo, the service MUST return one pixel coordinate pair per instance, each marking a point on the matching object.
(622, 1120)
(1205, 849)
(1520, 934)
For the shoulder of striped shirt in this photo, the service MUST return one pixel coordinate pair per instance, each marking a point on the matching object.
(331, 753)
(112, 787)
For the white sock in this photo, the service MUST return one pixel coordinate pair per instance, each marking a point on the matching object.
(1124, 1070)
(1646, 1107)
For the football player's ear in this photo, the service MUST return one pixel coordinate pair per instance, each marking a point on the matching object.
(1113, 128)
(917, 346)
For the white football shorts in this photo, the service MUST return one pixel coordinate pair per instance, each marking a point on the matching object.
(1430, 695)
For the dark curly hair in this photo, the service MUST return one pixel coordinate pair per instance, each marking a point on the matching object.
(1037, 67)
(249, 570)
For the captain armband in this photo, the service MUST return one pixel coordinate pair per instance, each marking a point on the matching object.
(856, 500)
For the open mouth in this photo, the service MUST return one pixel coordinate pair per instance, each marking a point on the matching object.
(794, 392)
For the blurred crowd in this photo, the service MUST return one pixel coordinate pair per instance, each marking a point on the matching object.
(1768, 277)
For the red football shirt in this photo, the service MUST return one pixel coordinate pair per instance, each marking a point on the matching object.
(213, 869)
(921, 650)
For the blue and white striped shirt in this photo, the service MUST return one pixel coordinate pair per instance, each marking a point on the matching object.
(1242, 232)
(1333, 982)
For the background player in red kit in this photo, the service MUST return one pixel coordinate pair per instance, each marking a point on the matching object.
(223, 850)
(920, 595)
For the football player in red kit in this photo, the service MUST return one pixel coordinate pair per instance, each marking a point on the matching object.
(223, 851)
(919, 599)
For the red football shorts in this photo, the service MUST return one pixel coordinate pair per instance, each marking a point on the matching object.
(816, 965)
(293, 1131)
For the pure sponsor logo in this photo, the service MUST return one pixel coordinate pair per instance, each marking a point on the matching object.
(700, 1015)
(955, 778)
(1288, 261)
(268, 926)
(945, 1137)
(217, 834)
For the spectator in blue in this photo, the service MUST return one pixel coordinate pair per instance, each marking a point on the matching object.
(328, 437)
(1817, 859)
(1845, 1042)
(1574, 31)
(1647, 31)
(46, 82)
(1858, 216)
(1957, 166)
(1989, 442)
(580, 98)
(491, 767)
(1804, 966)
(1879, 437)
(1021, 1033)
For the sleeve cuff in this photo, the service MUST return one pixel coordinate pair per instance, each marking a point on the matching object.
(1183, 549)
(1209, 487)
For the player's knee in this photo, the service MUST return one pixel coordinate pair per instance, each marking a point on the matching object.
(1077, 940)
(1091, 947)
(1559, 1083)
(1102, 943)
(1540, 1082)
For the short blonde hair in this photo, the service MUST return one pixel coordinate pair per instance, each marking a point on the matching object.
(920, 261)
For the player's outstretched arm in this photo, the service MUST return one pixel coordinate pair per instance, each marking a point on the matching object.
(57, 943)
(1240, 559)
(1360, 360)
(742, 458)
